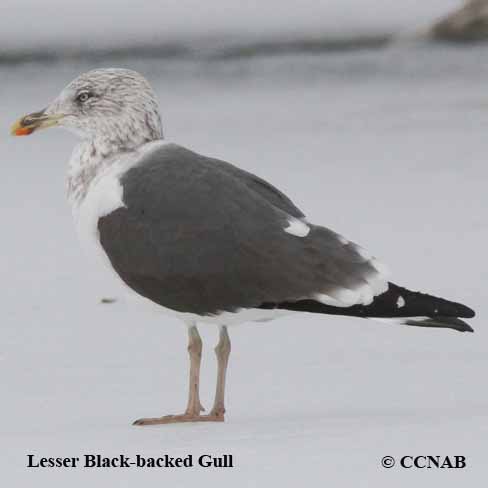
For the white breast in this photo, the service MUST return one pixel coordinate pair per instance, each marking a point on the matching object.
(104, 196)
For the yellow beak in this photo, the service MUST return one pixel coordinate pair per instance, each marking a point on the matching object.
(34, 121)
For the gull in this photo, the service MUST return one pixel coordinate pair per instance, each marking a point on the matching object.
(204, 240)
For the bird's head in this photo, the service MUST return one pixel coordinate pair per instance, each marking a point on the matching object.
(116, 105)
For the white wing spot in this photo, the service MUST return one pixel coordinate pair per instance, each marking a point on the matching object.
(297, 228)
(398, 320)
(328, 300)
(400, 302)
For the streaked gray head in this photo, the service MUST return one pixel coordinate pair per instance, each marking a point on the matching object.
(113, 105)
(112, 110)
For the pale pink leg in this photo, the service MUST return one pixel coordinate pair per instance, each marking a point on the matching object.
(222, 351)
(194, 407)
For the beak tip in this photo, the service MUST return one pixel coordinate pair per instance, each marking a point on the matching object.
(21, 131)
(17, 129)
(34, 121)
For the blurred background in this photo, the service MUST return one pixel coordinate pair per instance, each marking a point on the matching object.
(180, 29)
(372, 116)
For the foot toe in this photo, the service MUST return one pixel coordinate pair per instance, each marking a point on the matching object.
(174, 419)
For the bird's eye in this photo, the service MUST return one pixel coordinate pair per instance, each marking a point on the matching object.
(83, 96)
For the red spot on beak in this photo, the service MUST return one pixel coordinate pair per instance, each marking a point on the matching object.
(23, 131)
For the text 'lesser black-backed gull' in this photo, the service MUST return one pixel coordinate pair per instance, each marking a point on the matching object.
(205, 240)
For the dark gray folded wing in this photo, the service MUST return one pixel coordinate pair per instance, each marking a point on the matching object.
(261, 187)
(200, 236)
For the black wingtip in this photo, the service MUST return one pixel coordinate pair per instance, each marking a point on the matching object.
(441, 322)
(457, 309)
(463, 327)
(466, 312)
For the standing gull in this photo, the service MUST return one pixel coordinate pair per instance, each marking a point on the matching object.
(205, 240)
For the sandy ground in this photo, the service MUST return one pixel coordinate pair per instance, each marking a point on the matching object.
(389, 149)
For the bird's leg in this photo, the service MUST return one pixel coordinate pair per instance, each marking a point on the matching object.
(222, 351)
(194, 407)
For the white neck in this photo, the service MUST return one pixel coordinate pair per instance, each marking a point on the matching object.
(91, 158)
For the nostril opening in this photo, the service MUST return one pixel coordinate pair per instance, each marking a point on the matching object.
(31, 118)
